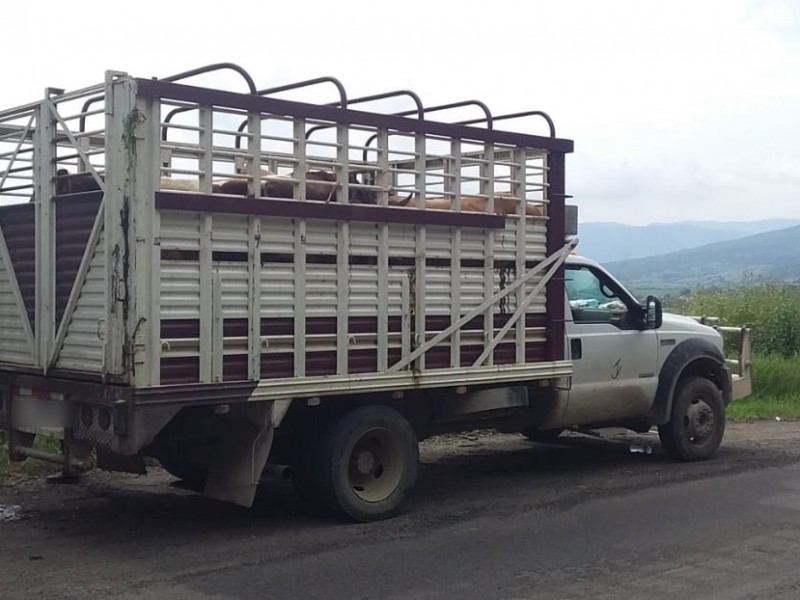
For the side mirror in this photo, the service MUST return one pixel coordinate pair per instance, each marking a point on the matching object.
(654, 314)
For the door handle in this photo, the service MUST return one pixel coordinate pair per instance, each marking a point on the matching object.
(575, 348)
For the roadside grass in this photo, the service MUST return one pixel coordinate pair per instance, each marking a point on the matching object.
(754, 408)
(776, 390)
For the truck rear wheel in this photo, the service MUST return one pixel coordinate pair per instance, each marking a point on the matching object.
(364, 465)
(697, 424)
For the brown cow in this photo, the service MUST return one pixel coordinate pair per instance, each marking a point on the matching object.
(320, 185)
(504, 204)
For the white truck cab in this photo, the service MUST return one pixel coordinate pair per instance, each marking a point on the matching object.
(636, 366)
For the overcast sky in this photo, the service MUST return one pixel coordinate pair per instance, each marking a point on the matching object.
(679, 109)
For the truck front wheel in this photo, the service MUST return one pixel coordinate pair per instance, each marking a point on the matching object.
(365, 464)
(697, 424)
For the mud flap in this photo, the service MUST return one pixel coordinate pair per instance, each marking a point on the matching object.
(240, 455)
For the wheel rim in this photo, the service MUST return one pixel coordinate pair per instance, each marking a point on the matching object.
(699, 422)
(376, 465)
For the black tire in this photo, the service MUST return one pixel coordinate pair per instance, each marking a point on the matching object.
(189, 462)
(543, 436)
(364, 466)
(301, 473)
(697, 423)
(193, 476)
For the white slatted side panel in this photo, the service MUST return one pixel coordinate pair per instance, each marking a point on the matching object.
(277, 290)
(472, 244)
(321, 238)
(83, 348)
(277, 236)
(234, 279)
(401, 240)
(505, 241)
(14, 345)
(471, 288)
(363, 291)
(538, 304)
(536, 240)
(439, 243)
(320, 290)
(395, 303)
(364, 240)
(180, 289)
(229, 233)
(179, 230)
(438, 290)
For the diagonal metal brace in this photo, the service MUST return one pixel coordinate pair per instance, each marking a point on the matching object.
(10, 161)
(78, 149)
(523, 306)
(557, 257)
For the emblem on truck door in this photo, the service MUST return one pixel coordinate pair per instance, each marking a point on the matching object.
(617, 368)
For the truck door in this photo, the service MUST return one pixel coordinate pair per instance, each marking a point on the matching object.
(614, 358)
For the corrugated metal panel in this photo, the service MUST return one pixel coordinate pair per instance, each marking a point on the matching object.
(505, 240)
(320, 290)
(277, 236)
(363, 239)
(83, 348)
(472, 294)
(363, 291)
(472, 244)
(14, 344)
(229, 233)
(180, 294)
(402, 240)
(439, 242)
(277, 290)
(233, 276)
(180, 230)
(438, 290)
(19, 229)
(321, 237)
(536, 240)
(74, 220)
(180, 289)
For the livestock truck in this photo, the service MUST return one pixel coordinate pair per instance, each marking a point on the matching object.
(174, 286)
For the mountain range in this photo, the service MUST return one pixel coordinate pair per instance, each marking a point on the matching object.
(691, 254)
(606, 242)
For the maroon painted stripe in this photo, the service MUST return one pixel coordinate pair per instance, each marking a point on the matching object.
(309, 209)
(18, 223)
(442, 322)
(190, 328)
(174, 91)
(281, 365)
(185, 369)
(180, 369)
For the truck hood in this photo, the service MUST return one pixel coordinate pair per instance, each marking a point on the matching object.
(678, 324)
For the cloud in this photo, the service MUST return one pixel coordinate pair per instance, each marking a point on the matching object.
(675, 108)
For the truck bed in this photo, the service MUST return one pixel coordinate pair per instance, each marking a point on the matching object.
(163, 293)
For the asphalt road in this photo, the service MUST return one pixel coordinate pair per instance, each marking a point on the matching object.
(493, 517)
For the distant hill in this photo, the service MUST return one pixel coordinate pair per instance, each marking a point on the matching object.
(607, 242)
(771, 256)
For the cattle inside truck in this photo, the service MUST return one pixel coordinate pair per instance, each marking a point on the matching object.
(230, 282)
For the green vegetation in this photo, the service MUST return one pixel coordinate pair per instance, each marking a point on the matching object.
(776, 390)
(773, 311)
